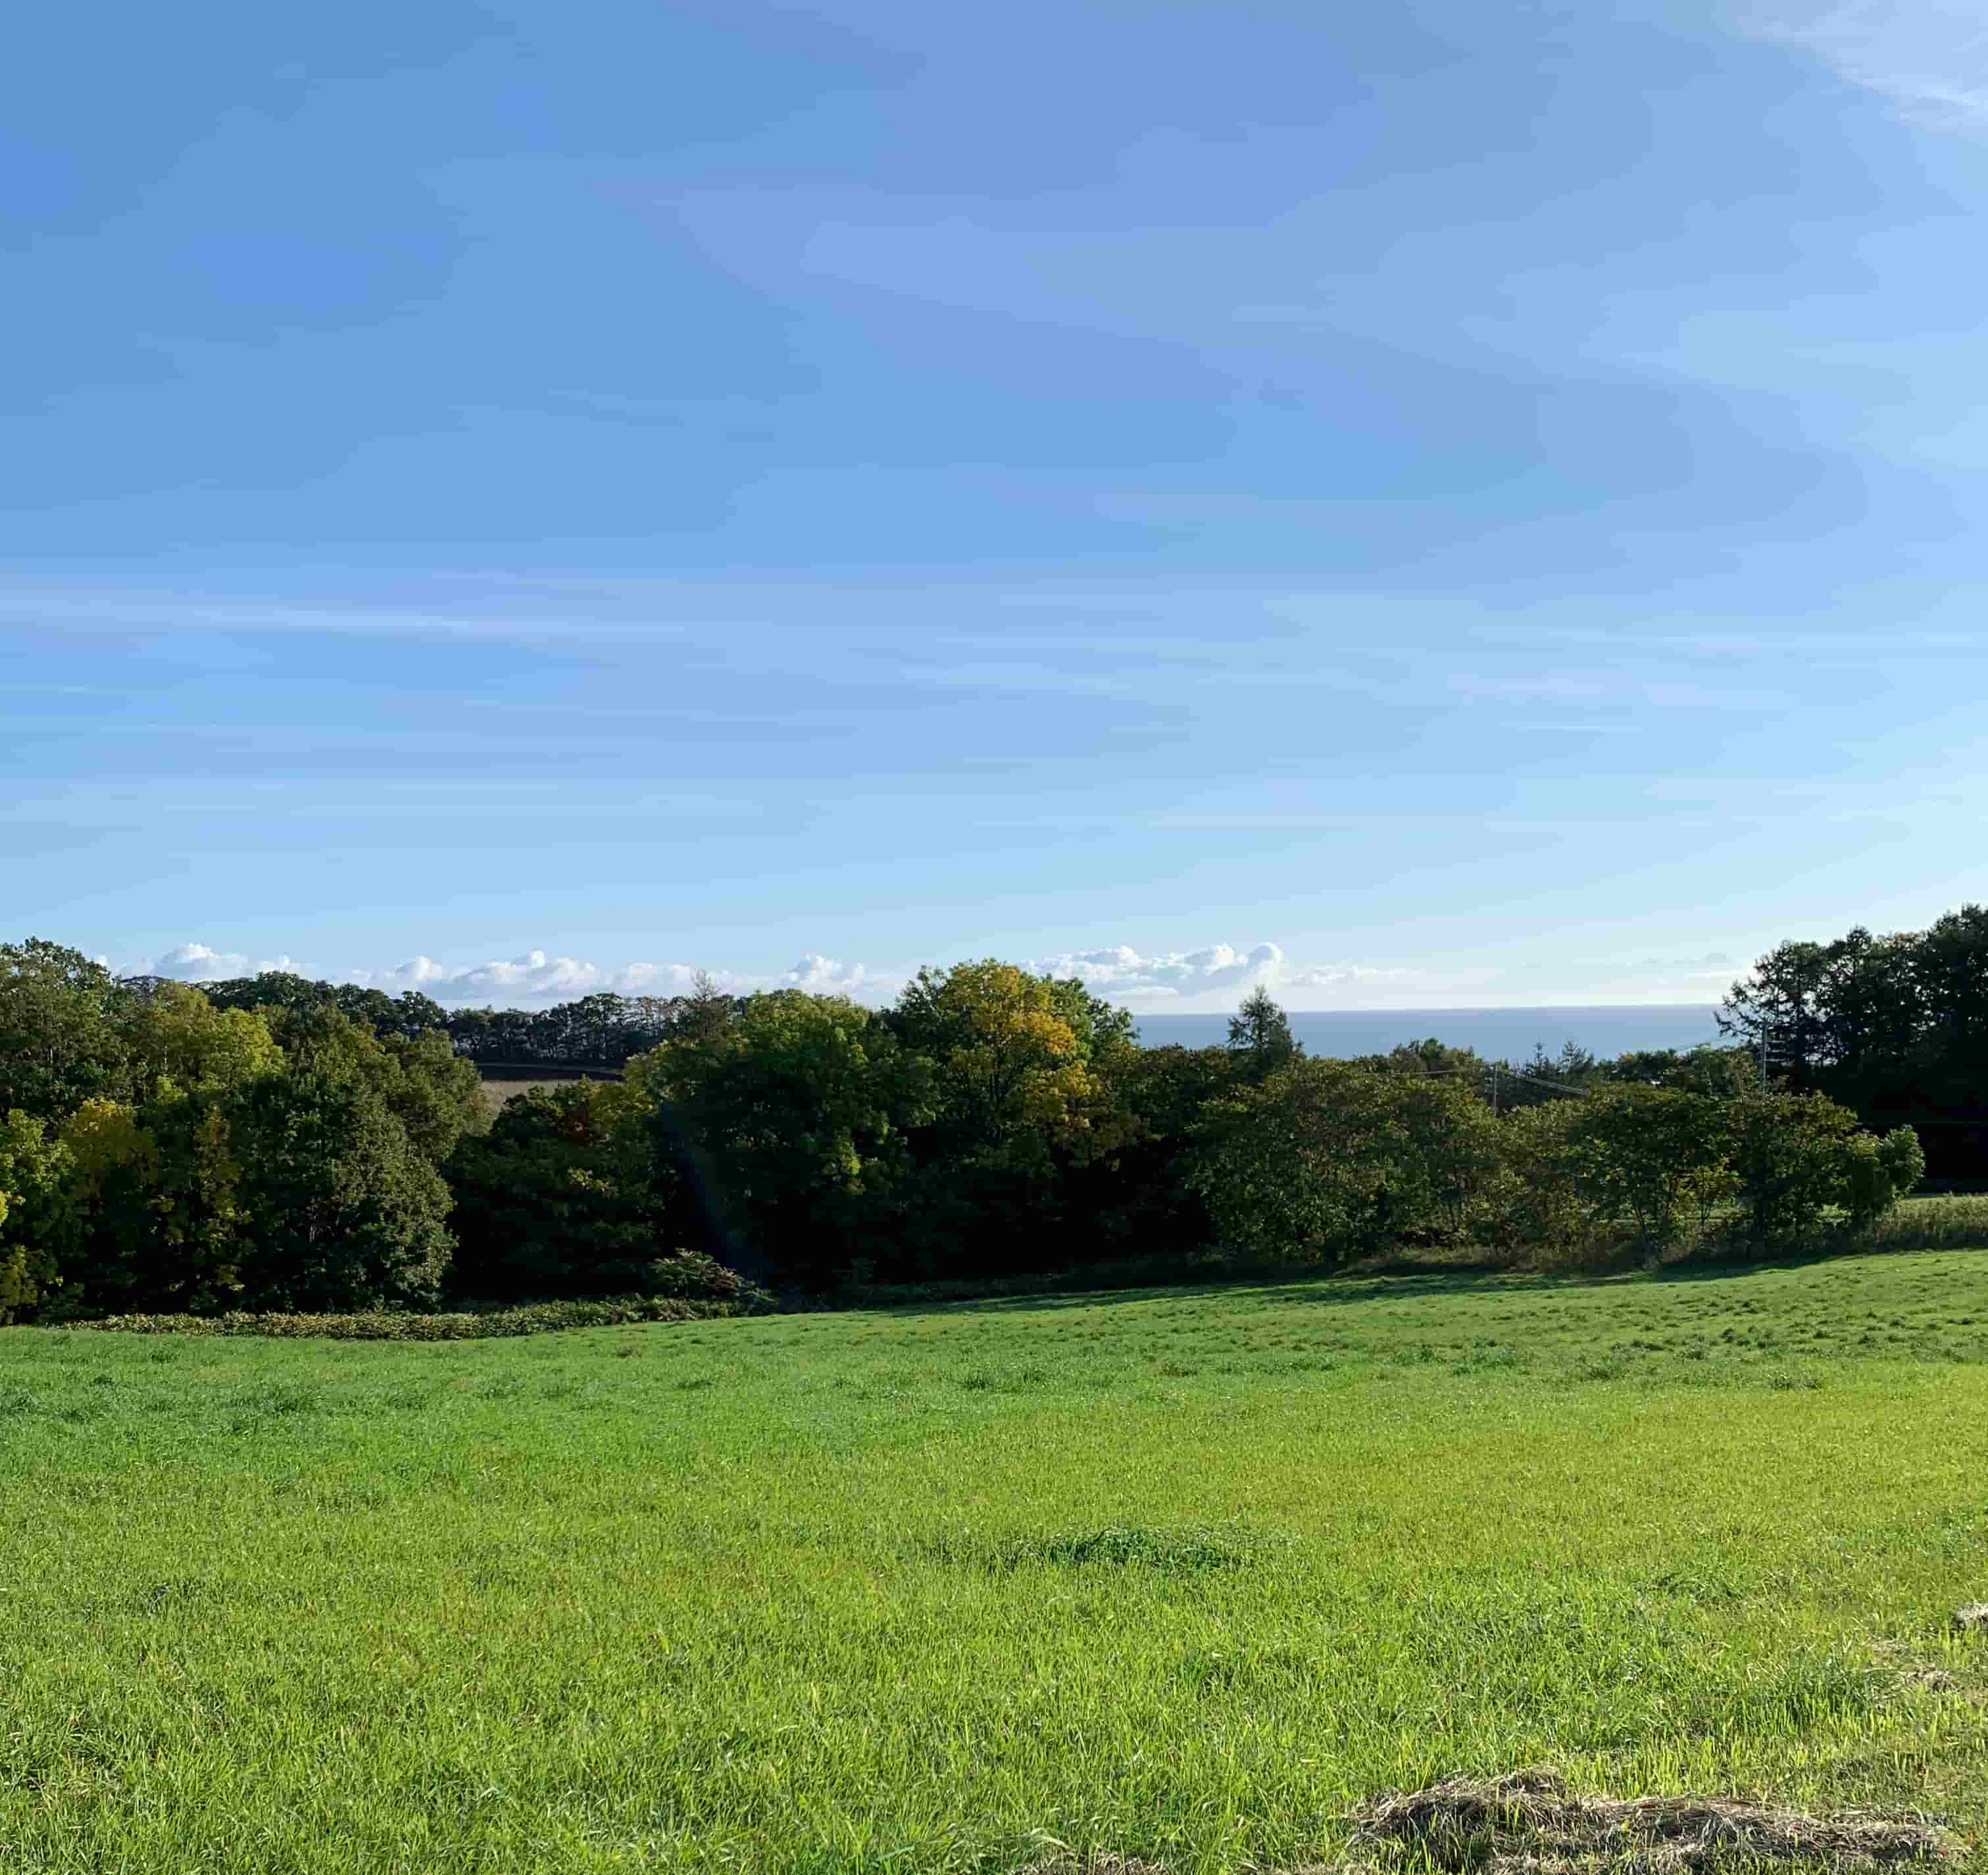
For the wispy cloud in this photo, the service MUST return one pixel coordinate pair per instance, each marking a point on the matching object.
(1929, 56)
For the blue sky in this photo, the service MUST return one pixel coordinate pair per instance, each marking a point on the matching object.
(1463, 501)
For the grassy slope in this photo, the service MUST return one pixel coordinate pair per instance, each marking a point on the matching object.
(1181, 1573)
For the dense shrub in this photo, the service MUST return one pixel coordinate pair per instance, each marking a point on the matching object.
(1803, 1169)
(1326, 1161)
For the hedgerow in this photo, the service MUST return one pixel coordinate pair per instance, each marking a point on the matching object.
(465, 1324)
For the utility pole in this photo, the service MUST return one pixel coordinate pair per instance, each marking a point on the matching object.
(1770, 1053)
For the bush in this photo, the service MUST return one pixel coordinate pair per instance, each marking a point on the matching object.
(693, 1276)
(404, 1325)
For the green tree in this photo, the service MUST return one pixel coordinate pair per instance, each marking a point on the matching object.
(1725, 1072)
(36, 1215)
(1453, 1155)
(59, 1034)
(1654, 1159)
(1014, 1058)
(1260, 1033)
(798, 1105)
(1547, 1079)
(409, 1014)
(1017, 1074)
(1804, 1168)
(156, 1192)
(1315, 1164)
(1879, 1173)
(290, 1190)
(1538, 1202)
(1846, 1017)
(1430, 1057)
(565, 1195)
(1133, 1198)
(174, 1038)
(436, 1094)
(334, 1206)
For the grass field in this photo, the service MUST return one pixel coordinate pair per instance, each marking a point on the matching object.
(1177, 1574)
(497, 1094)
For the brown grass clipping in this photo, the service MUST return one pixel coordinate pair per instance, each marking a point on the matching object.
(1530, 1823)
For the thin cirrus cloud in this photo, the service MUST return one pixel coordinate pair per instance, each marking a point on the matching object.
(1928, 56)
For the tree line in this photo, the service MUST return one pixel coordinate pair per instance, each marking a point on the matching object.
(601, 1030)
(283, 1144)
(1895, 1027)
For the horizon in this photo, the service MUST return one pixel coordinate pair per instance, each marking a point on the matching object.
(1456, 506)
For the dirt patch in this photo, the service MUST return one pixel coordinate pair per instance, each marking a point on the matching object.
(1176, 1549)
(1096, 1865)
(1529, 1823)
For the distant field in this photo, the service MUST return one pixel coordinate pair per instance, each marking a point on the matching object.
(495, 1093)
(1178, 1574)
(502, 1083)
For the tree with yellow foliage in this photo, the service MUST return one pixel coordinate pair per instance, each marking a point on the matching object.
(1022, 1087)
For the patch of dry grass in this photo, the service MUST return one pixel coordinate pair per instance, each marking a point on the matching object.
(1531, 1822)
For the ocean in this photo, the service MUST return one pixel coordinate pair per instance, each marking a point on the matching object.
(1604, 1029)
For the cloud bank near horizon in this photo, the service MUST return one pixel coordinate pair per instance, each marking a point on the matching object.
(536, 978)
(1211, 978)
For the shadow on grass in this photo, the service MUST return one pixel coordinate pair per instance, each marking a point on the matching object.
(1404, 1277)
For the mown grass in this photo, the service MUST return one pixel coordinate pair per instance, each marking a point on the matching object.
(1178, 1574)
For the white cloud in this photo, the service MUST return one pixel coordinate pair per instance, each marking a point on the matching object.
(1120, 974)
(1930, 56)
(195, 963)
(827, 976)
